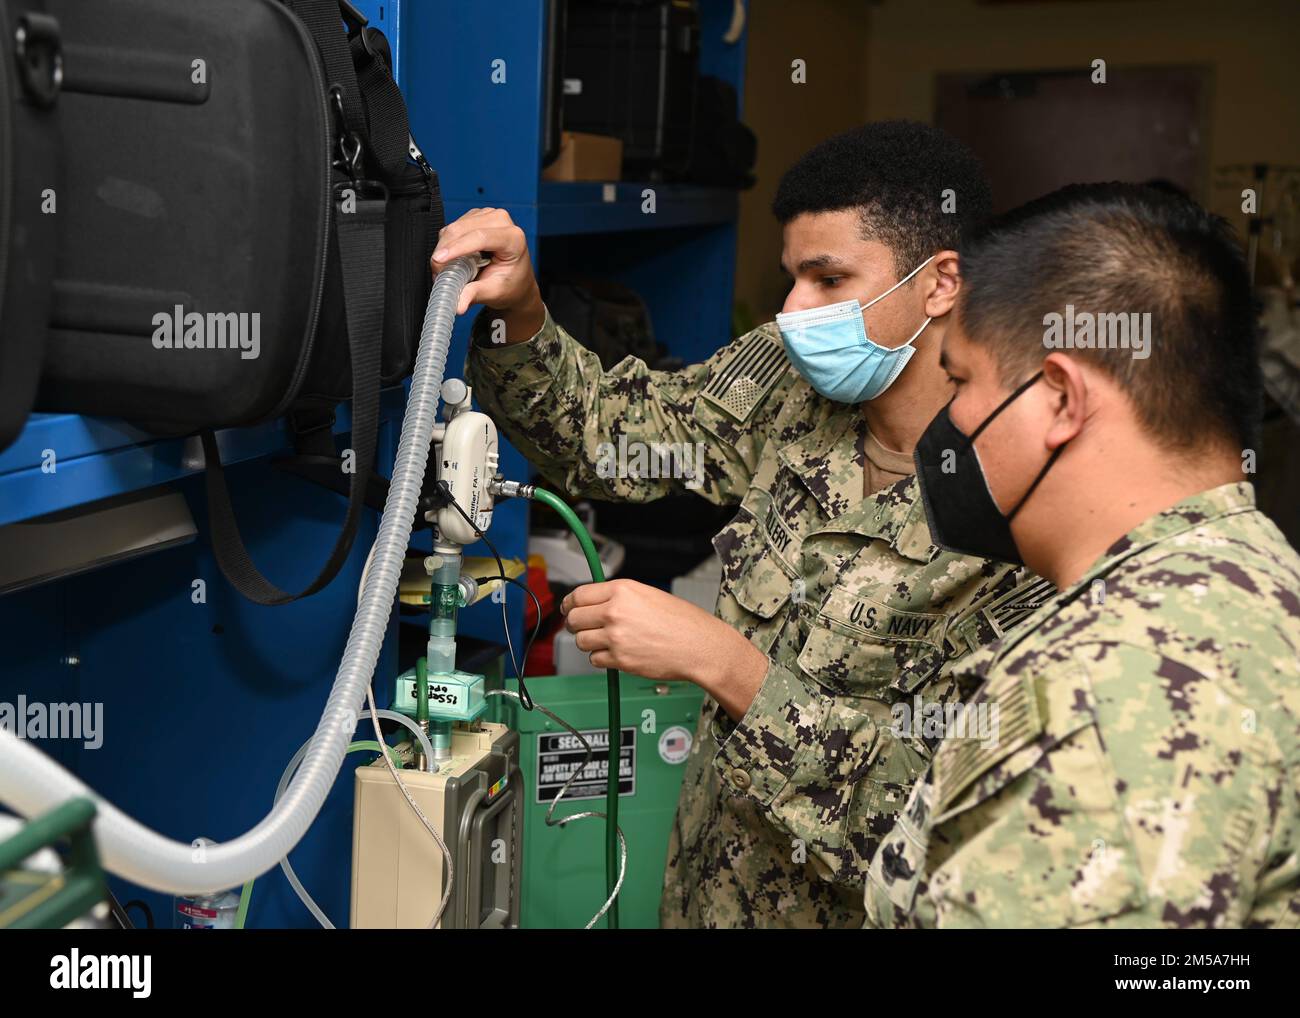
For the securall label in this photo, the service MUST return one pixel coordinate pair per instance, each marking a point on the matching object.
(559, 754)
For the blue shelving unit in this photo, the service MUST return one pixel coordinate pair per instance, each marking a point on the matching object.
(565, 209)
(474, 80)
(203, 703)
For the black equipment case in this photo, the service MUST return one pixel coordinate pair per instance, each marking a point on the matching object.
(244, 230)
(630, 69)
(30, 183)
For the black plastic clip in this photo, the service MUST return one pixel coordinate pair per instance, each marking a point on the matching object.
(350, 146)
(38, 44)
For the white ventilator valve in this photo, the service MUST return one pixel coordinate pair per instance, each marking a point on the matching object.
(467, 461)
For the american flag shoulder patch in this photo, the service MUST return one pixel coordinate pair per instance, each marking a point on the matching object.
(739, 384)
(991, 617)
(1016, 606)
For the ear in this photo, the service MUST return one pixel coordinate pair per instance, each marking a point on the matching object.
(945, 283)
(1066, 382)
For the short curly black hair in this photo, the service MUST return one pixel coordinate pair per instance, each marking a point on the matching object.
(916, 189)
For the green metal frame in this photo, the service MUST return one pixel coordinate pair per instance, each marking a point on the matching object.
(32, 900)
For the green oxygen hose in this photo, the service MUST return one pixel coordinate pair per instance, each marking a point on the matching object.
(615, 728)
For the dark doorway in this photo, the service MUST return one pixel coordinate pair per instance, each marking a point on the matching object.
(1039, 130)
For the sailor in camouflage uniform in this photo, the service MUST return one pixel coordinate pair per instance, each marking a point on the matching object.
(1147, 766)
(828, 569)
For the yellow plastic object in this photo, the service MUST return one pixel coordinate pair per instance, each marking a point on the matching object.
(415, 586)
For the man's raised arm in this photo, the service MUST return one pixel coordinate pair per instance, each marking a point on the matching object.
(629, 433)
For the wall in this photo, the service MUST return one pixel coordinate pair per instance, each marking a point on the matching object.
(878, 60)
(1249, 45)
(831, 37)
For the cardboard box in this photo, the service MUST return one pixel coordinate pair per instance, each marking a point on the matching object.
(586, 157)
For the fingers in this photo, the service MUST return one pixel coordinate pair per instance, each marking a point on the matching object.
(591, 640)
(589, 617)
(467, 297)
(501, 242)
(478, 230)
(587, 594)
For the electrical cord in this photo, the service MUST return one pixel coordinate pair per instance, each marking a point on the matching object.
(525, 698)
(143, 907)
(614, 882)
(550, 818)
(537, 626)
(118, 913)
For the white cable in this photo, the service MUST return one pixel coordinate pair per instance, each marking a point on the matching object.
(285, 865)
(397, 777)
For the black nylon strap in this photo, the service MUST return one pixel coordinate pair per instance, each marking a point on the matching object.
(436, 207)
(389, 130)
(361, 254)
(325, 23)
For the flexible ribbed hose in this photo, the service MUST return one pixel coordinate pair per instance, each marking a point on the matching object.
(31, 782)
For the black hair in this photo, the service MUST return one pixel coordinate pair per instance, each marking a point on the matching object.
(1115, 251)
(916, 189)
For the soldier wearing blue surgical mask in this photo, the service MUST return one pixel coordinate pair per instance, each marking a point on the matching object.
(830, 347)
(838, 619)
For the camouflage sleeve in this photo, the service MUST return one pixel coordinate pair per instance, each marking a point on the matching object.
(1210, 800)
(1277, 900)
(823, 768)
(1127, 789)
(630, 433)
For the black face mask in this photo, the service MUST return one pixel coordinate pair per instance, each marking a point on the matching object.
(962, 513)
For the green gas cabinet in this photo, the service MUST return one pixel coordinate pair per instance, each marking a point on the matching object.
(564, 867)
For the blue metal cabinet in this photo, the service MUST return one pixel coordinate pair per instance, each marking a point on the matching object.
(203, 703)
(484, 135)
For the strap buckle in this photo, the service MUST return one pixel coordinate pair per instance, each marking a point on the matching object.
(38, 45)
(413, 150)
(350, 145)
(352, 17)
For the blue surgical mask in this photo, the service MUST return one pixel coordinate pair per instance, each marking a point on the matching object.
(829, 347)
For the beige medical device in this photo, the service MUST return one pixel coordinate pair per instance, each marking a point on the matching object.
(475, 800)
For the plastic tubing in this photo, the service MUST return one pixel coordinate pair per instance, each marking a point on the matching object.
(561, 507)
(417, 733)
(31, 782)
(285, 865)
